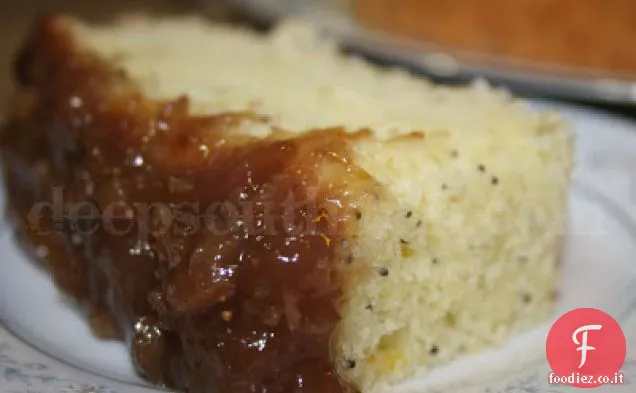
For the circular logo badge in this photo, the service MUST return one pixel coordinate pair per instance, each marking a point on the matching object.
(586, 348)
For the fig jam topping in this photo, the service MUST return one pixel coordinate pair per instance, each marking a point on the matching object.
(218, 255)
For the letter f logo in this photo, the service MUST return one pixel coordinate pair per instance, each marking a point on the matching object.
(583, 344)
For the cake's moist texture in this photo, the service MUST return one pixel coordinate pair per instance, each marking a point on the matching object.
(297, 218)
(217, 256)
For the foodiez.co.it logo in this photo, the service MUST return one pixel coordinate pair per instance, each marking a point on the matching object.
(586, 348)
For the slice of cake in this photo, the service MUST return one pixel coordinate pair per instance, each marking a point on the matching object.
(264, 214)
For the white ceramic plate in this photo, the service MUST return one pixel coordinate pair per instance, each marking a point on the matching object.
(334, 17)
(46, 346)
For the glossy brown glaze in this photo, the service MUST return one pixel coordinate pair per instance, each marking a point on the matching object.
(217, 256)
(589, 34)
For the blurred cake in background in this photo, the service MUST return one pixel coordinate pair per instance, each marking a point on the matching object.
(587, 34)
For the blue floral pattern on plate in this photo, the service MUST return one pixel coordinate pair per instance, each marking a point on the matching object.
(25, 370)
(25, 376)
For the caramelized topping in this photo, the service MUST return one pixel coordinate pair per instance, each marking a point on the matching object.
(218, 255)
